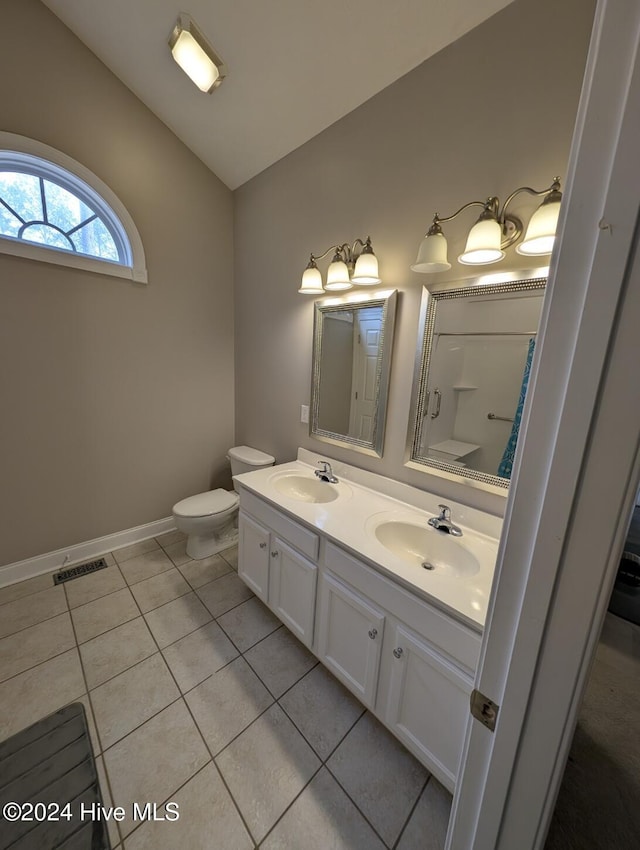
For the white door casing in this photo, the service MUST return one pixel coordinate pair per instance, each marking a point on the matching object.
(576, 470)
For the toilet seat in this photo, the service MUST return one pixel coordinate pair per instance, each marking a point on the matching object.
(207, 504)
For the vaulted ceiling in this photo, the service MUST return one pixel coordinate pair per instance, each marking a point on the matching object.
(294, 66)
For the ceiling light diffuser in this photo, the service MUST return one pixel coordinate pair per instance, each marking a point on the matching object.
(193, 53)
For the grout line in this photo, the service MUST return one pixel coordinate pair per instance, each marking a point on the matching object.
(295, 799)
(95, 726)
(413, 808)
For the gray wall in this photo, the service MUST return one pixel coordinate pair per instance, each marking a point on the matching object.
(492, 112)
(117, 398)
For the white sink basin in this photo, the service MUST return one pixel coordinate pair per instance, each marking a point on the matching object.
(427, 549)
(305, 488)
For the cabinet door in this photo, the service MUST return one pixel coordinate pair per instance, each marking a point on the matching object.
(292, 590)
(253, 555)
(350, 632)
(428, 703)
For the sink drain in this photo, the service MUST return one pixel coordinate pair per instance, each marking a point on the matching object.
(427, 565)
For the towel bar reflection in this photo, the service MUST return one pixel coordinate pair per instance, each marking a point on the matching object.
(501, 418)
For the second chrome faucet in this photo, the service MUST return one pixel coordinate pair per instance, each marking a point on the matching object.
(443, 522)
(325, 473)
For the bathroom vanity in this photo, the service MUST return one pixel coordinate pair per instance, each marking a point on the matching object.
(393, 608)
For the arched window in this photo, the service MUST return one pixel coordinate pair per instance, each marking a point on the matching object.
(54, 209)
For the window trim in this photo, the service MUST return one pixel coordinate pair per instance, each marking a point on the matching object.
(106, 203)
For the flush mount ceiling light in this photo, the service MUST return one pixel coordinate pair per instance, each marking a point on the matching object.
(494, 231)
(195, 55)
(348, 266)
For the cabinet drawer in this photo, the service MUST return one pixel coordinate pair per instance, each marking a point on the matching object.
(452, 638)
(301, 538)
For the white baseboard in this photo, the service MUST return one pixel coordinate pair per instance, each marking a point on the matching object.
(31, 567)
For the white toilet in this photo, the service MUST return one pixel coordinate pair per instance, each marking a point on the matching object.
(210, 519)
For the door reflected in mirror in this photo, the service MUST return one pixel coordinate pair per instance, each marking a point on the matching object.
(476, 348)
(352, 352)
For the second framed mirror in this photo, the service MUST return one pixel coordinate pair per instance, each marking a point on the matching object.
(472, 370)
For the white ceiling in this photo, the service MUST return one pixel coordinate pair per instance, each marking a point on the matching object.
(294, 66)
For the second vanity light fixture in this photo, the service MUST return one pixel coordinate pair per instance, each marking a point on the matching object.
(351, 264)
(495, 230)
(197, 58)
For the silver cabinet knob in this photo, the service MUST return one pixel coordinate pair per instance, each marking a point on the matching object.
(398, 652)
(373, 633)
(263, 545)
(274, 554)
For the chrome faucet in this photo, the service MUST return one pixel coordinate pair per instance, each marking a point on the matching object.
(443, 522)
(326, 473)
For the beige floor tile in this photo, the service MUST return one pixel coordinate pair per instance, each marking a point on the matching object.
(382, 778)
(170, 537)
(227, 702)
(224, 593)
(111, 653)
(208, 820)
(36, 644)
(196, 656)
(128, 552)
(32, 609)
(427, 826)
(176, 619)
(93, 586)
(323, 818)
(154, 592)
(34, 694)
(178, 552)
(146, 565)
(265, 768)
(231, 557)
(151, 763)
(102, 614)
(198, 573)
(279, 660)
(322, 709)
(24, 588)
(112, 826)
(248, 623)
(131, 698)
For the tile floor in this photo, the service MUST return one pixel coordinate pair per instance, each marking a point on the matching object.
(196, 694)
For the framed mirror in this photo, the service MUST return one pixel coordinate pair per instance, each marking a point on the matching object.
(352, 343)
(475, 347)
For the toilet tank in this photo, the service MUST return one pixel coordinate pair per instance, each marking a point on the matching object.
(246, 459)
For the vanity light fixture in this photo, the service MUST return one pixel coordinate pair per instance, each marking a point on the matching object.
(349, 266)
(194, 54)
(495, 230)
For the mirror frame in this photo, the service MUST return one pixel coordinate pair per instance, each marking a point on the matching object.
(387, 300)
(520, 281)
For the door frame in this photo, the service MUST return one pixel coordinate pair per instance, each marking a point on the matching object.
(576, 471)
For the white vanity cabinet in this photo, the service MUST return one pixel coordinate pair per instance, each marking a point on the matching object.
(426, 701)
(253, 555)
(410, 663)
(350, 635)
(279, 574)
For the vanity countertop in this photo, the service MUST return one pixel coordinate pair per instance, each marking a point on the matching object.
(350, 520)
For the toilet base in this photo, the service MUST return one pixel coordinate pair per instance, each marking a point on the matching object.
(201, 546)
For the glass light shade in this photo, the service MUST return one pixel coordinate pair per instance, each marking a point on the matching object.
(366, 270)
(541, 232)
(483, 244)
(338, 276)
(311, 282)
(432, 255)
(193, 60)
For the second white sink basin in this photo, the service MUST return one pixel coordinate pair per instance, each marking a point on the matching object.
(428, 549)
(304, 488)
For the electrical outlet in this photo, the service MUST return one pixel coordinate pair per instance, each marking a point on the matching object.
(304, 413)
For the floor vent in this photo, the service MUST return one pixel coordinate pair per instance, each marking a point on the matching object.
(80, 570)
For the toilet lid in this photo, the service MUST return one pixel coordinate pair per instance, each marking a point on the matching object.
(207, 504)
